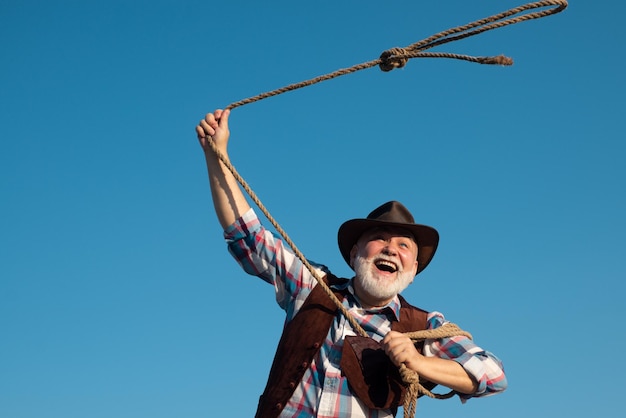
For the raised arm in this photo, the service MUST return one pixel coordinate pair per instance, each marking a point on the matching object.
(228, 199)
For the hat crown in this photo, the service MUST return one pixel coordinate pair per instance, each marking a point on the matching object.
(392, 212)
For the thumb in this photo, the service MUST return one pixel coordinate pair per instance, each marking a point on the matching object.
(223, 122)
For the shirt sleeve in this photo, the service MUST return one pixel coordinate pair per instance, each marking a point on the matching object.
(261, 253)
(486, 369)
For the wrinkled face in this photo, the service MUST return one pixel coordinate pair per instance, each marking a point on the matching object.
(385, 263)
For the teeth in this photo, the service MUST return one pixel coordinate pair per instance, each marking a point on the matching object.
(386, 263)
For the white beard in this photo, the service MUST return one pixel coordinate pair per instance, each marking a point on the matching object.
(376, 287)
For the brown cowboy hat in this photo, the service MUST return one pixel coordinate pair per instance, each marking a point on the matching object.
(390, 214)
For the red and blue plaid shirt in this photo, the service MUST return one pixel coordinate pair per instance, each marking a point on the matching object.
(323, 391)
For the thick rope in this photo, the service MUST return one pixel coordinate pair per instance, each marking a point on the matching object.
(390, 59)
(398, 57)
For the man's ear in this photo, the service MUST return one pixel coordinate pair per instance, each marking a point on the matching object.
(353, 252)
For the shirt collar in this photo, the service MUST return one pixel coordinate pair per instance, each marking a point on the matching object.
(392, 308)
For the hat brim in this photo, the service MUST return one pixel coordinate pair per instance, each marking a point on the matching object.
(426, 237)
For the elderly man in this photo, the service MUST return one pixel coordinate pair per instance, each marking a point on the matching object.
(318, 371)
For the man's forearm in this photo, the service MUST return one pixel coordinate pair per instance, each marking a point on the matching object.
(448, 373)
(228, 199)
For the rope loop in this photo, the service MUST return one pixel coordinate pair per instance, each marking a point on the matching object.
(398, 57)
(393, 58)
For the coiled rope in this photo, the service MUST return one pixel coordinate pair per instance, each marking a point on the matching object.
(388, 60)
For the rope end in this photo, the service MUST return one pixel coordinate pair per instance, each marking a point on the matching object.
(498, 60)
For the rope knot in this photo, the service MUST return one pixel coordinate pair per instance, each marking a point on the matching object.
(393, 58)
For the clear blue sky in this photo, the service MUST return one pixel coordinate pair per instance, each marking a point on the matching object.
(117, 295)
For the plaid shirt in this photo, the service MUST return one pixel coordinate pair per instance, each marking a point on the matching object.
(323, 391)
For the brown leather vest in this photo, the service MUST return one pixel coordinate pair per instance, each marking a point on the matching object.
(301, 340)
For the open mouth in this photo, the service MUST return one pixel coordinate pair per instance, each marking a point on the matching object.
(385, 265)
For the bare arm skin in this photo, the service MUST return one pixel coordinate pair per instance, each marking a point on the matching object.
(228, 199)
(449, 373)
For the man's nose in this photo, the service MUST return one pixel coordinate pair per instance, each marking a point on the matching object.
(390, 248)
